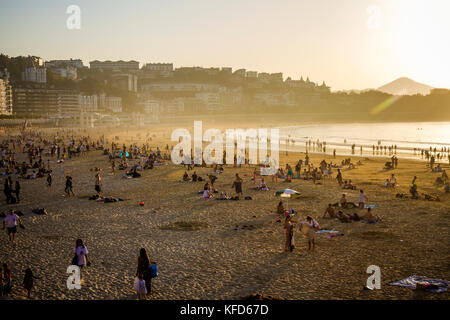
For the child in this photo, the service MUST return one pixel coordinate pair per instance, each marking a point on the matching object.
(141, 289)
(28, 281)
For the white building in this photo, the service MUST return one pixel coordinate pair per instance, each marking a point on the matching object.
(5, 97)
(113, 104)
(35, 74)
(66, 72)
(179, 87)
(116, 66)
(252, 74)
(88, 103)
(75, 63)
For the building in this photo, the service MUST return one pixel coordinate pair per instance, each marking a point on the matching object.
(276, 76)
(179, 87)
(6, 102)
(109, 103)
(240, 73)
(88, 103)
(227, 70)
(155, 70)
(45, 102)
(115, 66)
(35, 74)
(124, 81)
(251, 74)
(67, 72)
(160, 67)
(75, 63)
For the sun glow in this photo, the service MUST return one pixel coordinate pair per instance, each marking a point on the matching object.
(420, 38)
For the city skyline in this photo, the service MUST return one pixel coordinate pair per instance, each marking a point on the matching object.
(349, 45)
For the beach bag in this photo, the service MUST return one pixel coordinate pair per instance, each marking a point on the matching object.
(153, 270)
(136, 284)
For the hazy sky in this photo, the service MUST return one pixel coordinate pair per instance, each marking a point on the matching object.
(351, 44)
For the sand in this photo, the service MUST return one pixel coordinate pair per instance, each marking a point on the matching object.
(208, 249)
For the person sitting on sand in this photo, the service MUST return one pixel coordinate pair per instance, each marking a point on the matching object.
(223, 196)
(369, 217)
(393, 181)
(345, 204)
(185, 176)
(280, 208)
(207, 193)
(194, 177)
(349, 185)
(447, 187)
(330, 211)
(386, 184)
(263, 186)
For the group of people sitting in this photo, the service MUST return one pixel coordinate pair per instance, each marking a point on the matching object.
(349, 217)
(391, 182)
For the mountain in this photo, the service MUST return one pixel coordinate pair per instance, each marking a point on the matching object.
(405, 86)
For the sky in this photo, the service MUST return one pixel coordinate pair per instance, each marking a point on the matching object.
(349, 44)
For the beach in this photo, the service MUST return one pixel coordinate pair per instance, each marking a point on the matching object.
(209, 249)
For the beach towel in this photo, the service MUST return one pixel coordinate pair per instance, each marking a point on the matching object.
(371, 222)
(335, 235)
(433, 285)
(327, 231)
(366, 206)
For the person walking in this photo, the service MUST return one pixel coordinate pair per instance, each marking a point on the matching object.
(17, 190)
(7, 190)
(10, 221)
(143, 269)
(69, 186)
(362, 199)
(49, 180)
(81, 255)
(5, 280)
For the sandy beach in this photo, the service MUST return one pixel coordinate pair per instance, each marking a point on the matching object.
(208, 249)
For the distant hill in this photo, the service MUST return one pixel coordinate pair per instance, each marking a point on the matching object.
(405, 86)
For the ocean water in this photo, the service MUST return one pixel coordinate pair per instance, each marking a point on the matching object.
(406, 136)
